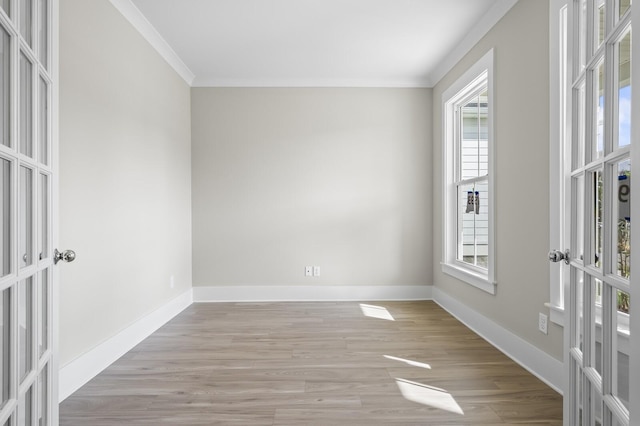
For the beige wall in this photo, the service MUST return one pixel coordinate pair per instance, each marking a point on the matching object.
(125, 192)
(521, 42)
(285, 178)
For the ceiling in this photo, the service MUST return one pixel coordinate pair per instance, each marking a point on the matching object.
(319, 43)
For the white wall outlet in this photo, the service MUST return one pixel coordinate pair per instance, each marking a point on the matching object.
(542, 323)
(308, 271)
(171, 282)
(316, 271)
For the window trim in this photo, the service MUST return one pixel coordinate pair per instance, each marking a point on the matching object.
(482, 69)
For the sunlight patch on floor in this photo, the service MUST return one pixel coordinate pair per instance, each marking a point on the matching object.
(373, 311)
(409, 362)
(428, 395)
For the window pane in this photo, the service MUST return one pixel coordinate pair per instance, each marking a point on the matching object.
(43, 215)
(26, 19)
(43, 323)
(5, 217)
(43, 386)
(578, 224)
(598, 148)
(597, 219)
(624, 90)
(26, 217)
(43, 122)
(43, 32)
(623, 228)
(5, 100)
(474, 145)
(24, 408)
(473, 224)
(582, 33)
(600, 20)
(623, 7)
(620, 347)
(25, 326)
(596, 330)
(579, 140)
(4, 4)
(26, 113)
(577, 277)
(5, 349)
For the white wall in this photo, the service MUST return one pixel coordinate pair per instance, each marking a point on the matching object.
(338, 178)
(521, 43)
(125, 190)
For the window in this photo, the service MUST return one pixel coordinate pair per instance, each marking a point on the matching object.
(468, 252)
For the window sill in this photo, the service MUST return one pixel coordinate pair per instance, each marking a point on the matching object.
(470, 277)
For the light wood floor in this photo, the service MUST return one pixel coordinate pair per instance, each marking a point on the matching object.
(313, 364)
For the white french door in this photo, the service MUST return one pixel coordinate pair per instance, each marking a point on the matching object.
(597, 185)
(27, 395)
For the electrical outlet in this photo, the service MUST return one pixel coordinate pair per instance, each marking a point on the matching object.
(542, 323)
(316, 271)
(308, 271)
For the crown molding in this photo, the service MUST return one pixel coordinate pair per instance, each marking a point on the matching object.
(482, 27)
(210, 81)
(144, 27)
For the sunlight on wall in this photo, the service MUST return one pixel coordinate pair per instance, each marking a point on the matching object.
(376, 312)
(428, 395)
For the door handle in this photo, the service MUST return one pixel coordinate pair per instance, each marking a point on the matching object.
(557, 255)
(66, 256)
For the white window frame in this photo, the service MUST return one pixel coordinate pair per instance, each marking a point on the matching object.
(477, 277)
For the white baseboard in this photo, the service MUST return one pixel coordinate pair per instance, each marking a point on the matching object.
(309, 293)
(537, 362)
(79, 371)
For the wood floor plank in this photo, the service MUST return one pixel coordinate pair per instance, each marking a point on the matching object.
(313, 363)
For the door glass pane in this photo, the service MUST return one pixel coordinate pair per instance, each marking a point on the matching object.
(43, 122)
(43, 213)
(24, 408)
(579, 142)
(26, 19)
(596, 325)
(5, 349)
(43, 32)
(578, 338)
(43, 320)
(578, 223)
(5, 66)
(623, 7)
(623, 228)
(43, 386)
(620, 347)
(25, 326)
(598, 148)
(582, 33)
(624, 90)
(26, 217)
(600, 22)
(26, 113)
(597, 218)
(5, 217)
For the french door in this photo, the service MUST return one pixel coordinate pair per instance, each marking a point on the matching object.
(598, 224)
(27, 395)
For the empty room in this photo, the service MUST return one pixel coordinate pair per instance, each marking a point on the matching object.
(305, 212)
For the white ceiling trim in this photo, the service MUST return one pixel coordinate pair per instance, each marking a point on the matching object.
(488, 21)
(140, 23)
(310, 83)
